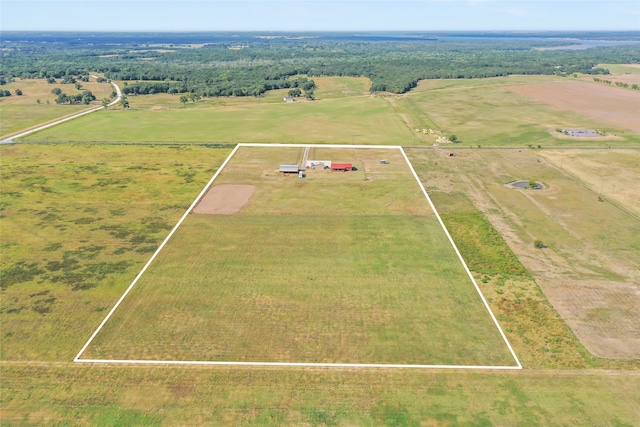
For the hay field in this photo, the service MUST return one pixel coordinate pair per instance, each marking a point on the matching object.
(91, 207)
(607, 172)
(328, 121)
(77, 222)
(589, 267)
(610, 105)
(335, 268)
(489, 112)
(477, 112)
(335, 117)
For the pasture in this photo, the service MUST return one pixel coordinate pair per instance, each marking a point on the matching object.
(72, 212)
(588, 269)
(490, 112)
(336, 268)
(324, 121)
(486, 112)
(37, 104)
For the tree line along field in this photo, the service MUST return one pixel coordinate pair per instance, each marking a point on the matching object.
(70, 193)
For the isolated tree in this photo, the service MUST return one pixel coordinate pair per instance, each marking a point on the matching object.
(56, 91)
(19, 92)
(105, 103)
(184, 99)
(51, 80)
(78, 86)
(124, 102)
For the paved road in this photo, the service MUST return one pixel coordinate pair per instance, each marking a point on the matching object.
(10, 140)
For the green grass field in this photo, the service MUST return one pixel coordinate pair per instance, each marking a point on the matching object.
(589, 266)
(77, 223)
(37, 104)
(331, 121)
(478, 111)
(70, 211)
(484, 112)
(337, 268)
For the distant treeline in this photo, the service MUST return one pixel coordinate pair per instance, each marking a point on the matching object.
(222, 68)
(221, 88)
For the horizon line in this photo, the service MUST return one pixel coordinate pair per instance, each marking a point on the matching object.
(413, 31)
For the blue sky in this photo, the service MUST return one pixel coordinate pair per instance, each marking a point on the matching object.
(316, 15)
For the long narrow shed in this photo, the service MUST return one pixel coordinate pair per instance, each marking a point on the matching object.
(341, 167)
(289, 169)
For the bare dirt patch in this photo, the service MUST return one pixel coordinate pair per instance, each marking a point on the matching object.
(612, 105)
(224, 199)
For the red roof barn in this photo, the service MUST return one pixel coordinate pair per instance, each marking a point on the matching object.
(341, 167)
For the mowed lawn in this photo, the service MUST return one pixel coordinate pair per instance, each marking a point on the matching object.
(336, 268)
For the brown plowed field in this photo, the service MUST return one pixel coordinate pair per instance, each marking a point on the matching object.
(616, 106)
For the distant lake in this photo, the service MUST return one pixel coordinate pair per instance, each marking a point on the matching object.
(547, 40)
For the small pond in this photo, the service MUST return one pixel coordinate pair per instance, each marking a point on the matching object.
(523, 183)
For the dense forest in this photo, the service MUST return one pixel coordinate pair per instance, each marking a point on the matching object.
(246, 64)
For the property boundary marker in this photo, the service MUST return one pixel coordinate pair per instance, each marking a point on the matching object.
(77, 359)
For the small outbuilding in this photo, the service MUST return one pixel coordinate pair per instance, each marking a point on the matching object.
(341, 167)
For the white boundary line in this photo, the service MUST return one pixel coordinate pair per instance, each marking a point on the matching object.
(291, 364)
(296, 364)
